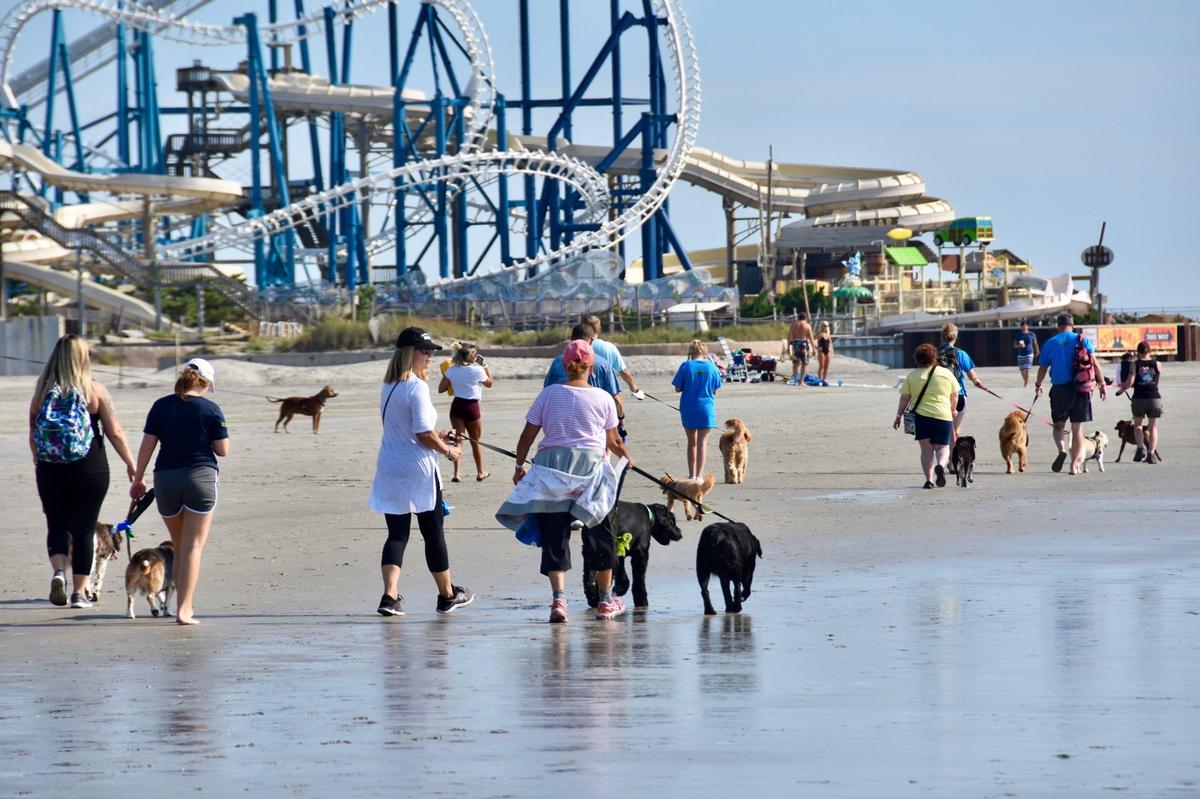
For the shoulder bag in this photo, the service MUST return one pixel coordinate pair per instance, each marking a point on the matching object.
(910, 415)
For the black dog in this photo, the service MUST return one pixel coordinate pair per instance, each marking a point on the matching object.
(962, 460)
(728, 550)
(642, 523)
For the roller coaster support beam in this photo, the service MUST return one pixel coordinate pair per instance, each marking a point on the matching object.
(122, 98)
(60, 56)
(651, 255)
(439, 221)
(533, 233)
(314, 143)
(502, 188)
(277, 266)
(149, 141)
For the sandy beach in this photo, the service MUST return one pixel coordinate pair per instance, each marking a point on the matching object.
(1033, 635)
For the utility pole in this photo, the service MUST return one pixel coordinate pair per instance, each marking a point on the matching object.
(79, 293)
(769, 246)
(148, 252)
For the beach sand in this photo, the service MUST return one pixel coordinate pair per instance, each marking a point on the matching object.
(1033, 635)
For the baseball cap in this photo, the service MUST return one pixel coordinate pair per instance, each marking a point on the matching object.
(416, 337)
(205, 369)
(578, 350)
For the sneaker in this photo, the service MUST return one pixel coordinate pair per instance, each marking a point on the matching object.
(927, 484)
(1058, 462)
(607, 611)
(80, 601)
(1140, 455)
(1151, 458)
(391, 605)
(558, 611)
(58, 588)
(940, 474)
(461, 597)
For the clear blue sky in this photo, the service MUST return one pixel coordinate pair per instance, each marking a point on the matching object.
(1051, 117)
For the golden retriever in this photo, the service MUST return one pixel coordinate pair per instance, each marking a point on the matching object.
(735, 450)
(1014, 440)
(691, 489)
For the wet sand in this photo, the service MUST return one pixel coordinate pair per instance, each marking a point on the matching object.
(1034, 635)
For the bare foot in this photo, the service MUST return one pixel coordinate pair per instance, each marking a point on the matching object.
(189, 620)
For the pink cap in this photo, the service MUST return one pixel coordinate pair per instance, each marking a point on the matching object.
(578, 350)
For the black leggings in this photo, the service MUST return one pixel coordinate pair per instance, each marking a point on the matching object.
(599, 548)
(72, 494)
(430, 523)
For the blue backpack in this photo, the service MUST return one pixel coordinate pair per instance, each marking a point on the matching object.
(62, 431)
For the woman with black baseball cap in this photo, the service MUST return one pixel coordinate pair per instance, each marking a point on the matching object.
(407, 480)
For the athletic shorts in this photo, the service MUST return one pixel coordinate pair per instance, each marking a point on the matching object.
(962, 403)
(938, 431)
(465, 409)
(1067, 404)
(193, 488)
(800, 351)
(1024, 362)
(1150, 408)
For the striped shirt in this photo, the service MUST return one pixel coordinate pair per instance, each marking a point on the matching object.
(573, 416)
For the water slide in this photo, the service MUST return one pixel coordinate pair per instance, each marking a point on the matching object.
(129, 308)
(187, 195)
(1059, 294)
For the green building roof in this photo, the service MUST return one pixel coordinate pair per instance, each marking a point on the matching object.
(905, 256)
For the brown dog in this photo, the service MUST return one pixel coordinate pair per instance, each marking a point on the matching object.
(106, 546)
(1014, 439)
(1125, 429)
(735, 450)
(692, 489)
(309, 406)
(151, 573)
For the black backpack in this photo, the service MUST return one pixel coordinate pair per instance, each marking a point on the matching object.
(948, 359)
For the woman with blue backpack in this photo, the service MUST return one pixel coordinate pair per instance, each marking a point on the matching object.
(69, 417)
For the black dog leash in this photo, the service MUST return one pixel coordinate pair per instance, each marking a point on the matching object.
(661, 402)
(642, 472)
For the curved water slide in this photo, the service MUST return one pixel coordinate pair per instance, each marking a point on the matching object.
(469, 161)
(129, 308)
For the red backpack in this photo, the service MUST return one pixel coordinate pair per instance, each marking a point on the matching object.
(1083, 367)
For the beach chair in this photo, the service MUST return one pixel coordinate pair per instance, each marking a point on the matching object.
(737, 362)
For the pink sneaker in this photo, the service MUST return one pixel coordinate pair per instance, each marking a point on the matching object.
(558, 611)
(607, 611)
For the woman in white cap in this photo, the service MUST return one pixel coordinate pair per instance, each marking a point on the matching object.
(192, 431)
(407, 481)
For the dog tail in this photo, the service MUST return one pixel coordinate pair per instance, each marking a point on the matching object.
(145, 564)
(708, 483)
(274, 399)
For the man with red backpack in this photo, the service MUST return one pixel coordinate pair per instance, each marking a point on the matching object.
(1074, 374)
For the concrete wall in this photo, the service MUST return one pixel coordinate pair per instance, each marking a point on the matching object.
(26, 343)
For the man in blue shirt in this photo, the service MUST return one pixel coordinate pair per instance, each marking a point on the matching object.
(1066, 401)
(964, 367)
(602, 376)
(607, 351)
(1026, 346)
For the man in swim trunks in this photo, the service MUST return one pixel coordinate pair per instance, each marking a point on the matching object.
(801, 344)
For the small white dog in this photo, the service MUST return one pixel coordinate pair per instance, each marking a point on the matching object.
(1093, 449)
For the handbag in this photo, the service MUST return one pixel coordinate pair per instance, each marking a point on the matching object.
(910, 415)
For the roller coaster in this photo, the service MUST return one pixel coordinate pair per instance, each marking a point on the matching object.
(445, 202)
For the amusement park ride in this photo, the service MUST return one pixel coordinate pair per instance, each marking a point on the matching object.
(435, 185)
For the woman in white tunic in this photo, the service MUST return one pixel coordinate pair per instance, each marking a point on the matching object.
(407, 480)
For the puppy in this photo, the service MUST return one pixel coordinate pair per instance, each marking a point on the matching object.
(642, 523)
(1125, 431)
(1014, 440)
(1093, 449)
(728, 550)
(150, 573)
(962, 460)
(692, 489)
(309, 406)
(106, 546)
(735, 450)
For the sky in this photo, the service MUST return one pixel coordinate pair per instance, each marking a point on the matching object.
(1050, 117)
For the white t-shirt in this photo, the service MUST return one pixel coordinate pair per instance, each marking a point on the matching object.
(406, 472)
(467, 380)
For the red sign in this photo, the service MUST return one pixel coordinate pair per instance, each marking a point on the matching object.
(1119, 339)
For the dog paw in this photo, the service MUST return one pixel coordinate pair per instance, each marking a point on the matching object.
(154, 612)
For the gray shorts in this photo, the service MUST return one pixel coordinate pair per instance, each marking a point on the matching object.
(193, 488)
(1150, 408)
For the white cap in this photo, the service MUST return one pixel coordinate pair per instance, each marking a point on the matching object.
(205, 369)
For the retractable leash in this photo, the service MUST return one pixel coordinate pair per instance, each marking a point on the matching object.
(661, 402)
(1017, 406)
(632, 468)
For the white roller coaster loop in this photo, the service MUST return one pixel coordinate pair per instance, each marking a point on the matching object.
(676, 33)
(587, 181)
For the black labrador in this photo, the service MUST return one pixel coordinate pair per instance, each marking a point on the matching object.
(962, 460)
(728, 550)
(642, 523)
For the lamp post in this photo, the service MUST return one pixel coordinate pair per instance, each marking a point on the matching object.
(875, 278)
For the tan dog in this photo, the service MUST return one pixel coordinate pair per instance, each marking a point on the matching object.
(1093, 449)
(106, 546)
(308, 406)
(150, 573)
(1125, 429)
(735, 450)
(1014, 440)
(692, 489)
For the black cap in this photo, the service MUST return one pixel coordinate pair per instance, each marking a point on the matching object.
(1065, 319)
(416, 337)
